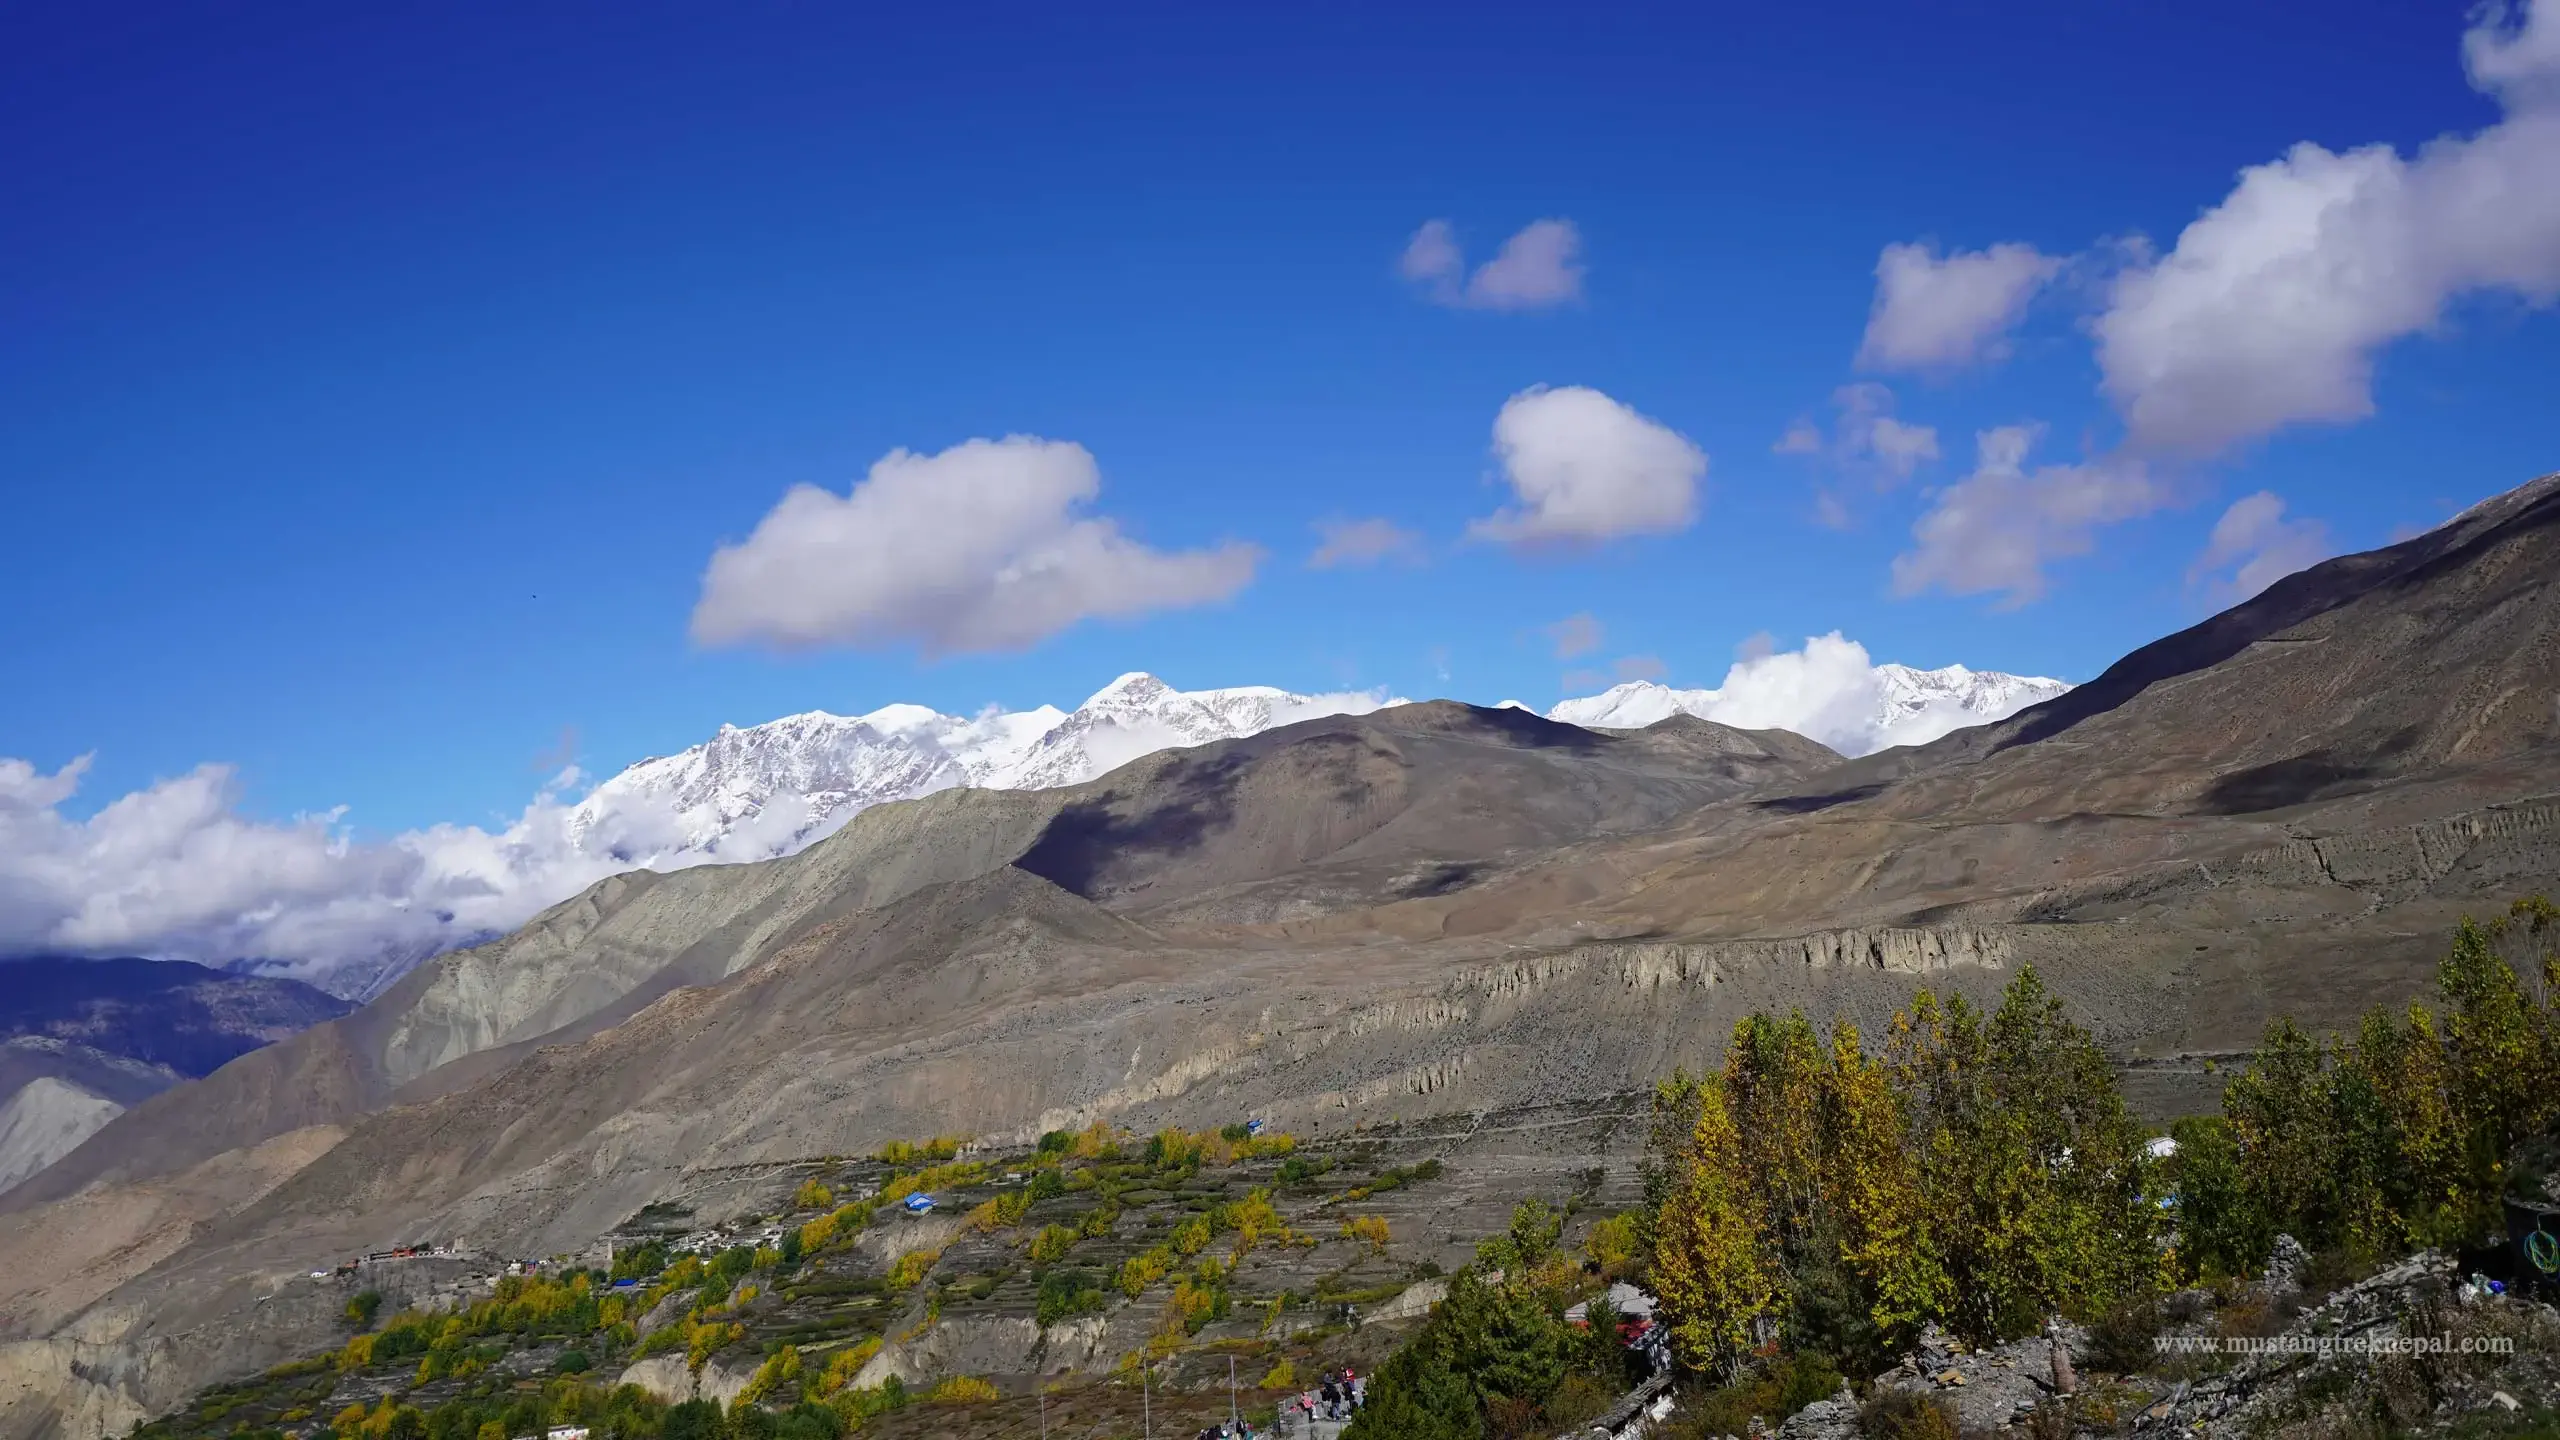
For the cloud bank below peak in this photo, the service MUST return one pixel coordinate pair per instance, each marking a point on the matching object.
(1829, 690)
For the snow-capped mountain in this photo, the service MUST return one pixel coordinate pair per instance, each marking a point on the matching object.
(769, 789)
(766, 790)
(1984, 695)
(1853, 707)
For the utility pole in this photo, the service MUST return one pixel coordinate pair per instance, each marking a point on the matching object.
(1231, 1392)
(1146, 1399)
(1044, 1413)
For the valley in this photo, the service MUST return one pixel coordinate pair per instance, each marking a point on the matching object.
(1427, 932)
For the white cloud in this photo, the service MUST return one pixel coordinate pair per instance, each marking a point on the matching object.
(1362, 542)
(1865, 437)
(175, 870)
(2273, 305)
(2253, 546)
(1540, 266)
(2516, 57)
(1432, 256)
(1574, 635)
(1996, 529)
(1830, 690)
(981, 547)
(1936, 312)
(1587, 469)
(1900, 448)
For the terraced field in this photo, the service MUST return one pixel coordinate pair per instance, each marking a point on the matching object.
(1045, 1275)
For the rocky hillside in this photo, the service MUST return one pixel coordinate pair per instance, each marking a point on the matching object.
(1425, 912)
(82, 1040)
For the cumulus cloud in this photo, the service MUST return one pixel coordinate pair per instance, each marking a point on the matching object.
(2253, 546)
(1829, 690)
(1996, 529)
(982, 547)
(1574, 635)
(1586, 469)
(2272, 306)
(1362, 542)
(1538, 267)
(1940, 312)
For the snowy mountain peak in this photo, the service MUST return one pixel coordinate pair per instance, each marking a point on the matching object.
(1137, 688)
(755, 791)
(1828, 692)
(762, 790)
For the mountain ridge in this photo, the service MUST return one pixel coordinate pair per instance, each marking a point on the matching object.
(751, 792)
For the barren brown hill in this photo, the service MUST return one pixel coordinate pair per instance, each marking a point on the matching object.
(1430, 910)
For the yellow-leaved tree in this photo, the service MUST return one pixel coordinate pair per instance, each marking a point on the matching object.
(1713, 1272)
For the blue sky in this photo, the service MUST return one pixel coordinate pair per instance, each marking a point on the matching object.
(376, 383)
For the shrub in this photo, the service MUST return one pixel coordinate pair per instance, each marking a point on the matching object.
(1891, 1414)
(779, 1370)
(813, 1196)
(1065, 1294)
(1144, 1269)
(963, 1390)
(844, 1364)
(691, 1420)
(1614, 1243)
(911, 1267)
(1369, 1229)
(1253, 1219)
(1282, 1376)
(924, 1152)
(361, 1310)
(1298, 1170)
(572, 1362)
(1052, 1244)
(809, 1422)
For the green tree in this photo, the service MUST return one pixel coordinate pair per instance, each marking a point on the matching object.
(2222, 1230)
(1419, 1395)
(1504, 1338)
(749, 1422)
(692, 1420)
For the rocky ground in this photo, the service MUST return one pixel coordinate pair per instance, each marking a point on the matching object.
(2415, 1349)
